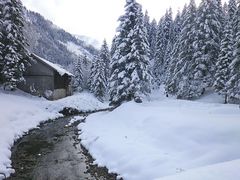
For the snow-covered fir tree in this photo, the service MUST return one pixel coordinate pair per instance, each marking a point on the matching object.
(164, 35)
(98, 82)
(170, 84)
(220, 15)
(182, 74)
(232, 10)
(207, 45)
(233, 84)
(86, 71)
(225, 58)
(130, 75)
(1, 41)
(225, 10)
(113, 46)
(106, 57)
(152, 39)
(147, 24)
(141, 75)
(78, 75)
(177, 27)
(15, 55)
(159, 55)
(175, 31)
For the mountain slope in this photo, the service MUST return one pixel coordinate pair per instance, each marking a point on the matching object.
(53, 43)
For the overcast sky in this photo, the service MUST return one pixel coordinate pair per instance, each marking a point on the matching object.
(95, 18)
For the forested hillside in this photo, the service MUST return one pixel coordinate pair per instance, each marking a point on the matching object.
(53, 43)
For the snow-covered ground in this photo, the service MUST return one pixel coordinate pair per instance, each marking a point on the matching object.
(167, 139)
(20, 112)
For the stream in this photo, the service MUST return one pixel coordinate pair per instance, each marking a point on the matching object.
(53, 152)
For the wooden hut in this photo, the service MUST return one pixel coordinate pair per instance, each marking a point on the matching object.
(46, 79)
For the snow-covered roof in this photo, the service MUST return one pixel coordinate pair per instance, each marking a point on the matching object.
(56, 67)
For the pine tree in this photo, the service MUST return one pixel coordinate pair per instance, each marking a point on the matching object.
(164, 35)
(86, 71)
(224, 60)
(177, 27)
(147, 24)
(1, 41)
(78, 73)
(15, 55)
(225, 10)
(113, 46)
(220, 15)
(153, 40)
(98, 84)
(232, 10)
(233, 85)
(206, 46)
(106, 57)
(130, 76)
(175, 31)
(170, 83)
(140, 67)
(159, 55)
(183, 69)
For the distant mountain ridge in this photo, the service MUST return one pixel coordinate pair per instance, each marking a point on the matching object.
(53, 43)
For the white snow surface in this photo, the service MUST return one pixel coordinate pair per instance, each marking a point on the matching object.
(20, 112)
(167, 139)
(222, 171)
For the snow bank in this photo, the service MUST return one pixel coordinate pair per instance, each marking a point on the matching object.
(82, 101)
(166, 137)
(20, 112)
(221, 171)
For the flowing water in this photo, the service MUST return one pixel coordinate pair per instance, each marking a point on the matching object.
(53, 152)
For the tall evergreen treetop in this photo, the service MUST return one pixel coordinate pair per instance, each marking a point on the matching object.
(78, 82)
(207, 44)
(129, 74)
(1, 40)
(98, 83)
(225, 58)
(153, 40)
(234, 81)
(184, 66)
(106, 57)
(15, 55)
(232, 8)
(164, 35)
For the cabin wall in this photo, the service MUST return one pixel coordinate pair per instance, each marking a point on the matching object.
(38, 85)
(62, 86)
(61, 82)
(39, 80)
(42, 80)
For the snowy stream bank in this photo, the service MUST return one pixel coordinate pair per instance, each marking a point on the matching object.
(54, 152)
(20, 112)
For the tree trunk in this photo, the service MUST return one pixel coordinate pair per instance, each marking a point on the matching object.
(226, 99)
